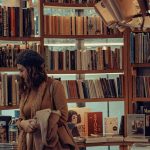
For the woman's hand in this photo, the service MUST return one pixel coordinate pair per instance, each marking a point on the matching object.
(28, 125)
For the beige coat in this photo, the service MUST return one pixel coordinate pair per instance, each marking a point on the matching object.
(58, 135)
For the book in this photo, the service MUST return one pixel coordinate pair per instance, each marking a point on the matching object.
(121, 127)
(3, 132)
(136, 125)
(144, 108)
(4, 122)
(76, 120)
(146, 111)
(93, 123)
(105, 13)
(111, 125)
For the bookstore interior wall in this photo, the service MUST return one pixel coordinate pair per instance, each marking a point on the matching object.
(103, 71)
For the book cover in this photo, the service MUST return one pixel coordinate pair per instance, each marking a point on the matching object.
(4, 122)
(94, 123)
(146, 111)
(136, 125)
(3, 132)
(111, 125)
(121, 127)
(105, 13)
(76, 120)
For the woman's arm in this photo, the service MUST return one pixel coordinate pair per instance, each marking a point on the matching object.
(59, 100)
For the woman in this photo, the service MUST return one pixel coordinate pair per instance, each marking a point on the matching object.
(43, 107)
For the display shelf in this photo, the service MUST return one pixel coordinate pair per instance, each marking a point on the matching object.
(95, 100)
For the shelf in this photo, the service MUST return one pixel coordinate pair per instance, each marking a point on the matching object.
(86, 71)
(73, 101)
(143, 65)
(84, 36)
(6, 69)
(142, 99)
(20, 38)
(8, 107)
(68, 5)
(94, 100)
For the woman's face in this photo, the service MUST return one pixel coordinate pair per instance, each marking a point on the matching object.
(74, 119)
(22, 71)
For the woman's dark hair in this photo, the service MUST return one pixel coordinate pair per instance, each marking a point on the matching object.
(34, 64)
(71, 113)
(36, 75)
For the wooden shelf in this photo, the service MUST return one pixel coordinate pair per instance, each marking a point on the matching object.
(6, 69)
(94, 100)
(68, 5)
(84, 36)
(85, 71)
(141, 31)
(20, 38)
(143, 65)
(141, 99)
(8, 107)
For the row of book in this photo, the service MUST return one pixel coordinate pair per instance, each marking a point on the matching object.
(141, 86)
(89, 123)
(75, 25)
(98, 88)
(139, 47)
(9, 89)
(15, 21)
(99, 59)
(73, 1)
(9, 52)
(74, 89)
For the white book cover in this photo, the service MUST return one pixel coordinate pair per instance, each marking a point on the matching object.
(111, 125)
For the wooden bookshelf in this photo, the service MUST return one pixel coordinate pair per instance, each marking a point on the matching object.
(125, 70)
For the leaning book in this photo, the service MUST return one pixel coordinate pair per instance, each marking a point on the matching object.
(76, 120)
(136, 125)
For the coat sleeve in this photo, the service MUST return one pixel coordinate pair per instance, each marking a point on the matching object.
(21, 116)
(59, 100)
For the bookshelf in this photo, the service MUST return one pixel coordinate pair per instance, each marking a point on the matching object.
(139, 68)
(139, 74)
(127, 69)
(81, 39)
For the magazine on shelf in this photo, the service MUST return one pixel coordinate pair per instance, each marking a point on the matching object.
(136, 125)
(76, 120)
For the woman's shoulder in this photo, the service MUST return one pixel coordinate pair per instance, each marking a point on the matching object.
(54, 82)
